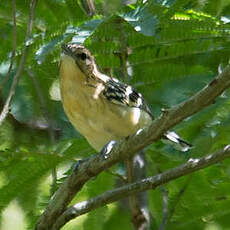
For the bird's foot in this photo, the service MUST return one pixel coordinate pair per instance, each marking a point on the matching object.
(106, 150)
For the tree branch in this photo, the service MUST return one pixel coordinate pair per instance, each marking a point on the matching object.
(129, 146)
(89, 7)
(136, 165)
(6, 106)
(138, 203)
(6, 78)
(153, 182)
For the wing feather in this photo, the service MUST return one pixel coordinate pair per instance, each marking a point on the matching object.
(123, 94)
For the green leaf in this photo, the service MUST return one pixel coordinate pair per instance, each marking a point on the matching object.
(29, 169)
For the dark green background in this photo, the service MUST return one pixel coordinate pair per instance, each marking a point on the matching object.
(176, 48)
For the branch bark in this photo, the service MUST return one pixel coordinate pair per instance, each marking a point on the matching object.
(129, 146)
(153, 182)
(138, 203)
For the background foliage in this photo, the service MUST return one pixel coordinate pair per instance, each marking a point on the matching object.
(172, 48)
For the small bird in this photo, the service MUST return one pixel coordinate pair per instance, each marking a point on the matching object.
(100, 107)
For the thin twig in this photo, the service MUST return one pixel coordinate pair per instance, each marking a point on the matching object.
(6, 106)
(129, 146)
(45, 114)
(153, 182)
(6, 78)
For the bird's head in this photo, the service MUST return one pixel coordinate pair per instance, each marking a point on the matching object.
(81, 57)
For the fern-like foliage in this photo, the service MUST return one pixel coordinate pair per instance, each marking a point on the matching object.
(167, 50)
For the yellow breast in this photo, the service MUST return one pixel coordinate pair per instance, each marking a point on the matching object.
(96, 118)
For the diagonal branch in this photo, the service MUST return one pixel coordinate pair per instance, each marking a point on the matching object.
(153, 182)
(128, 147)
(6, 106)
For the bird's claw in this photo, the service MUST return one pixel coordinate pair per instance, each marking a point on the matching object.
(76, 166)
(105, 152)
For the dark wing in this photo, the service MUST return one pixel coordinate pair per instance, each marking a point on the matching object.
(123, 94)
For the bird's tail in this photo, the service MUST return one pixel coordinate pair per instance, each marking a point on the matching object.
(178, 143)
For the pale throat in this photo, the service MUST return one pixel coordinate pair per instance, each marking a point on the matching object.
(74, 83)
(70, 73)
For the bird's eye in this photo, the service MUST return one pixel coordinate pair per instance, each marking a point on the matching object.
(83, 56)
